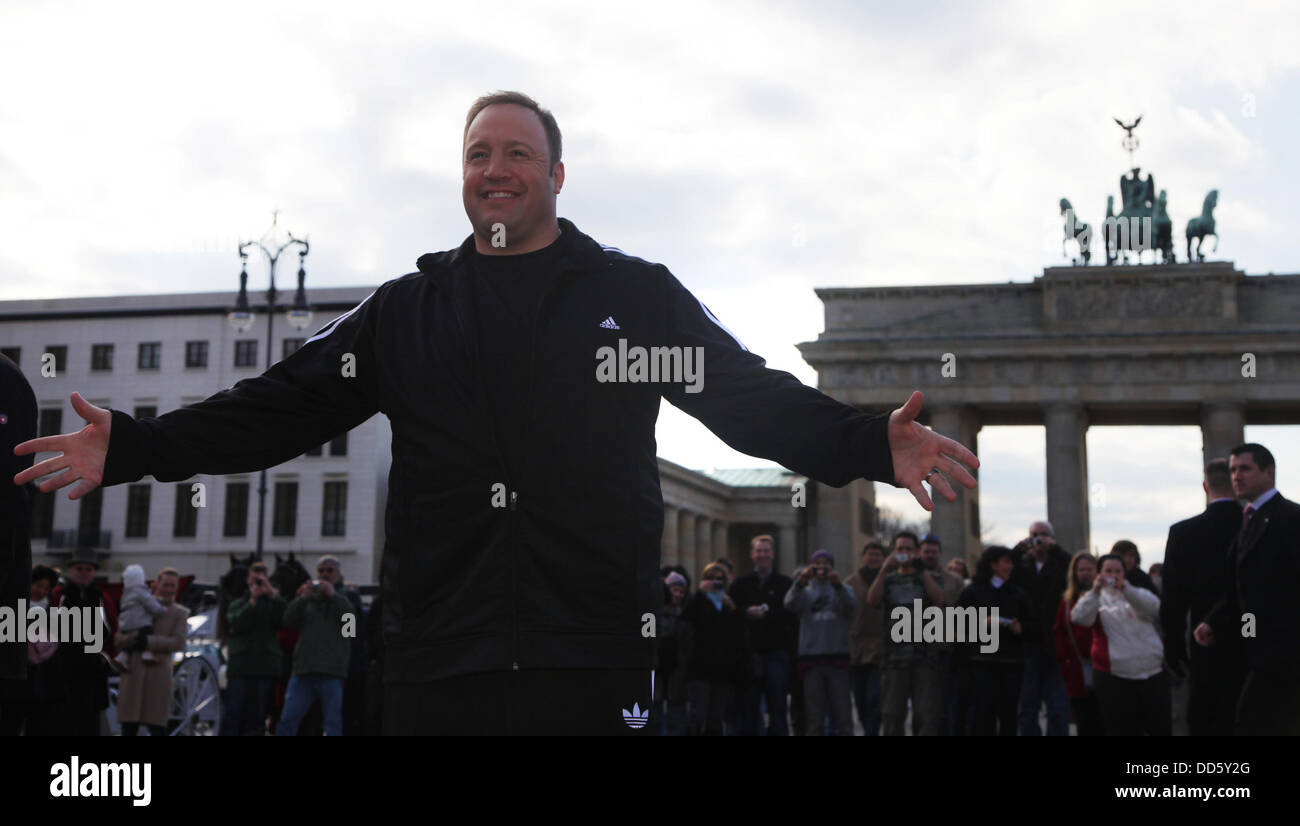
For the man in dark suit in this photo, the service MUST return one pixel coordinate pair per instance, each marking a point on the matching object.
(1195, 558)
(1262, 598)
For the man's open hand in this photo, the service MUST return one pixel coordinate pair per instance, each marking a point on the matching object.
(84, 453)
(917, 450)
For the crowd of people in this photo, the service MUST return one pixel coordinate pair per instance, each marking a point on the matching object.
(1091, 640)
(295, 663)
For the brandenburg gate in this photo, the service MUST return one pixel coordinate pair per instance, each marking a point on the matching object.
(1170, 344)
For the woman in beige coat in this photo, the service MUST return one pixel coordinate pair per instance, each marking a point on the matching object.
(145, 693)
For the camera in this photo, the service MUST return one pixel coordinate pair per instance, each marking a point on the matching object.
(1036, 540)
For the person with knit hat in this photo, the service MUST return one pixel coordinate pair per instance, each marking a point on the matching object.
(825, 608)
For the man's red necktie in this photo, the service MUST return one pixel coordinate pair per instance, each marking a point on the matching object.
(1245, 516)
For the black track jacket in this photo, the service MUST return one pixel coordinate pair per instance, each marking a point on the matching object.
(562, 575)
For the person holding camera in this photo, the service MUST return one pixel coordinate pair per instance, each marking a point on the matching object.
(254, 658)
(718, 656)
(320, 660)
(1042, 570)
(1129, 677)
(996, 675)
(910, 670)
(824, 607)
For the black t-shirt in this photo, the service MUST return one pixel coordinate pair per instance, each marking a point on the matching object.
(508, 290)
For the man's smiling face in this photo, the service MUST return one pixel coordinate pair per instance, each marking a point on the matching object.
(506, 179)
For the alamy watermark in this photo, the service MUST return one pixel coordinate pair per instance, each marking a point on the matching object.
(950, 624)
(62, 624)
(668, 365)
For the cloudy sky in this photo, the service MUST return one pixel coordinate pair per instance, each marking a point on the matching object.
(925, 144)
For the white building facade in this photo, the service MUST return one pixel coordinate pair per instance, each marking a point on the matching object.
(148, 354)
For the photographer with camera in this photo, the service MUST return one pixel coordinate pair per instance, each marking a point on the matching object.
(254, 658)
(320, 660)
(824, 607)
(1042, 570)
(1127, 654)
(910, 670)
(718, 658)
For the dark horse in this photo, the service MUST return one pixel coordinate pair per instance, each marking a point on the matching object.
(288, 576)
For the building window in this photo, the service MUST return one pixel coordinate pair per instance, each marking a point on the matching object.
(196, 354)
(236, 509)
(101, 357)
(185, 522)
(335, 512)
(137, 510)
(339, 446)
(60, 353)
(246, 353)
(51, 421)
(291, 346)
(146, 411)
(11, 353)
(150, 355)
(92, 508)
(284, 522)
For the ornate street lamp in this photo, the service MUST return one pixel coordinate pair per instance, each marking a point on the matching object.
(298, 315)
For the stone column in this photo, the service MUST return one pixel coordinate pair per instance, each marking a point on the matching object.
(832, 523)
(686, 544)
(720, 549)
(1223, 427)
(1067, 475)
(703, 544)
(668, 554)
(957, 523)
(786, 543)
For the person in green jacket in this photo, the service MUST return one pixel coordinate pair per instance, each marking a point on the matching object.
(253, 659)
(323, 617)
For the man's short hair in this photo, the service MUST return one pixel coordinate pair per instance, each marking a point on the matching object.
(1263, 459)
(762, 537)
(553, 142)
(168, 571)
(1217, 475)
(873, 544)
(257, 568)
(907, 535)
(930, 539)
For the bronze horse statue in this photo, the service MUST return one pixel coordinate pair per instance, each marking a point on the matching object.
(1202, 226)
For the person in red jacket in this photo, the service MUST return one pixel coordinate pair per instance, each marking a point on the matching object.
(1074, 656)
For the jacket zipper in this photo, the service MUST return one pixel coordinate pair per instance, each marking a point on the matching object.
(471, 343)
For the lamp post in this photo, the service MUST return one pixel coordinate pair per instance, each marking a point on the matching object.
(298, 315)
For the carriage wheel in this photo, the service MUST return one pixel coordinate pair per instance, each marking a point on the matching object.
(196, 698)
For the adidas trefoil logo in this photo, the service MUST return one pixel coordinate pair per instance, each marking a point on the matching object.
(636, 718)
(610, 324)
